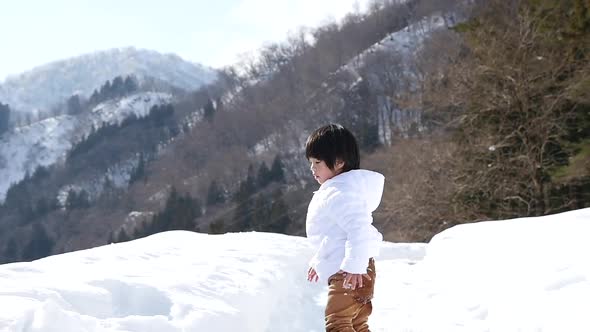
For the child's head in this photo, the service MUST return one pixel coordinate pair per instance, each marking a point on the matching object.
(335, 146)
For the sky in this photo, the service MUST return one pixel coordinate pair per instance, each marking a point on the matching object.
(525, 275)
(214, 33)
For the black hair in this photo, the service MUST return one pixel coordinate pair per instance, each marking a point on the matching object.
(332, 142)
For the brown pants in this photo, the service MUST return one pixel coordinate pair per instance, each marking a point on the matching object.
(348, 310)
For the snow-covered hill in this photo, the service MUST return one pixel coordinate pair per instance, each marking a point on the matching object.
(45, 142)
(529, 274)
(47, 85)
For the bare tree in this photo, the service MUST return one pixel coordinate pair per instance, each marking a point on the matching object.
(510, 103)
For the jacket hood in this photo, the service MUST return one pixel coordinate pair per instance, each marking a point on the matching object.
(367, 184)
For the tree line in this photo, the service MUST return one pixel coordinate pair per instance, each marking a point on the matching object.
(254, 208)
(119, 87)
(4, 118)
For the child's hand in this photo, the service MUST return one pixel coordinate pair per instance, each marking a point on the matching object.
(353, 281)
(312, 275)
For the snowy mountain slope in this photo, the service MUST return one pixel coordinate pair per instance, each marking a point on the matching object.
(400, 46)
(47, 85)
(404, 43)
(529, 274)
(397, 51)
(46, 142)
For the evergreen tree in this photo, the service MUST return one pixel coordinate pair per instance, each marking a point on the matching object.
(42, 207)
(243, 216)
(262, 209)
(108, 186)
(4, 118)
(139, 171)
(83, 199)
(167, 215)
(122, 236)
(94, 97)
(131, 119)
(73, 105)
(77, 200)
(190, 209)
(250, 183)
(279, 219)
(39, 245)
(264, 176)
(39, 174)
(368, 123)
(160, 113)
(71, 199)
(18, 197)
(209, 110)
(180, 213)
(26, 212)
(359, 117)
(118, 87)
(10, 251)
(105, 91)
(276, 170)
(130, 85)
(215, 194)
(139, 232)
(217, 227)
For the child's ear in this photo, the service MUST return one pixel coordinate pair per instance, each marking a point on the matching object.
(339, 164)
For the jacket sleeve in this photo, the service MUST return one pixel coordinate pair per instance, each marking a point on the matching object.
(352, 215)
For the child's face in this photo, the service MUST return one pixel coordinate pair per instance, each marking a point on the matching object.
(321, 171)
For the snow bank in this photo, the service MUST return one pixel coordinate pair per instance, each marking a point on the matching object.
(527, 274)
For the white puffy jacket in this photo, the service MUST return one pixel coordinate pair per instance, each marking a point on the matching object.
(339, 222)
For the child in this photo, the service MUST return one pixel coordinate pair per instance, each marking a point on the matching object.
(339, 226)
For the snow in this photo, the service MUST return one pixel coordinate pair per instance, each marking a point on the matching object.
(529, 274)
(46, 142)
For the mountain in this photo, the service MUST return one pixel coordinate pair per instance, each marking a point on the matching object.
(46, 85)
(201, 162)
(528, 274)
(45, 142)
(268, 115)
